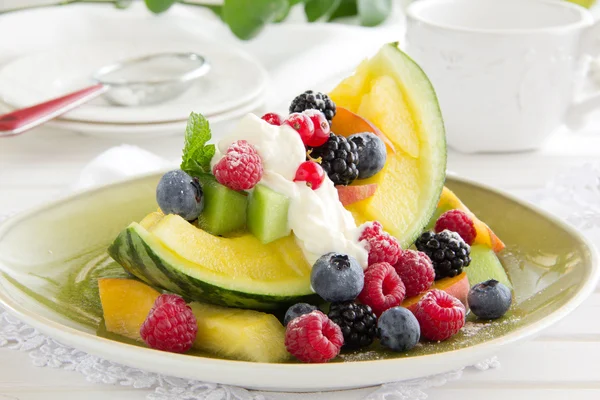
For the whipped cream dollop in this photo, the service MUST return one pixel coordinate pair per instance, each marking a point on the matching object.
(318, 220)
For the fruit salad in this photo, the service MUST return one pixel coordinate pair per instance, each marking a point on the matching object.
(308, 235)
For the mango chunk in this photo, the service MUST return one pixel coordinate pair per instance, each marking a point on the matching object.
(126, 304)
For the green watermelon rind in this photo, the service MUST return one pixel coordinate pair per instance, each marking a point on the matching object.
(134, 250)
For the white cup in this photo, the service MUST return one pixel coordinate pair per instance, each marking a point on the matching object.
(506, 72)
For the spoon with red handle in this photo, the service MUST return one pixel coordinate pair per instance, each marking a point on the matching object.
(121, 91)
(19, 121)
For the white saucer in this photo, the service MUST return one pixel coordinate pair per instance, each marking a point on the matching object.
(146, 131)
(234, 79)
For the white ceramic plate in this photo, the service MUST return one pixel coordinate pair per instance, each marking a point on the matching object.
(39, 247)
(233, 80)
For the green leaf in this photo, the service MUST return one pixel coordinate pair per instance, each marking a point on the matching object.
(218, 10)
(290, 4)
(347, 8)
(283, 14)
(158, 6)
(196, 153)
(373, 12)
(247, 18)
(320, 10)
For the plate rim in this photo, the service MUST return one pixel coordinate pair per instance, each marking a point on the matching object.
(220, 116)
(238, 372)
(153, 129)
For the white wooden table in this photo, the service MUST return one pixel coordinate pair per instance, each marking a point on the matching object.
(562, 363)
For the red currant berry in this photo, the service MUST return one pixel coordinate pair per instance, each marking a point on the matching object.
(302, 124)
(273, 118)
(322, 128)
(310, 172)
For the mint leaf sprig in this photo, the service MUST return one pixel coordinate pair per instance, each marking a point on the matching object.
(197, 155)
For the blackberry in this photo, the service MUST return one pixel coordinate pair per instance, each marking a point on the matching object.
(447, 250)
(339, 159)
(357, 322)
(314, 100)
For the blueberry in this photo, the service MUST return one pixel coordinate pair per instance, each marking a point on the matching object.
(337, 277)
(371, 153)
(398, 329)
(178, 193)
(490, 299)
(297, 310)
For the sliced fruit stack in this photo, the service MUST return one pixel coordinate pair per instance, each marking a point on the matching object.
(398, 303)
(221, 249)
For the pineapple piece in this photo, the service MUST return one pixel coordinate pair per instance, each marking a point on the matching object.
(152, 219)
(240, 334)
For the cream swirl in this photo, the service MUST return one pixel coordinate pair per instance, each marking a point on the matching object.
(316, 217)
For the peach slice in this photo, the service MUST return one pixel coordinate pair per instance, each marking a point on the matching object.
(347, 123)
(352, 194)
(485, 236)
(457, 287)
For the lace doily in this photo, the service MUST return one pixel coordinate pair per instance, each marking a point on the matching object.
(46, 352)
(574, 196)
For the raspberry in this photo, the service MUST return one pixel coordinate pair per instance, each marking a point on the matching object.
(416, 271)
(381, 245)
(440, 315)
(313, 338)
(272, 118)
(170, 325)
(383, 288)
(457, 221)
(241, 167)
